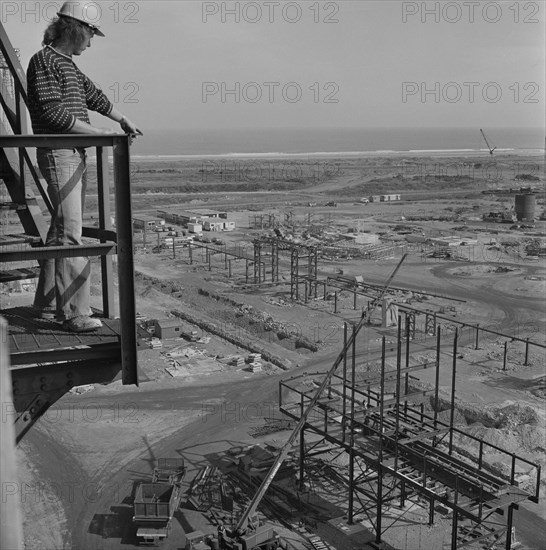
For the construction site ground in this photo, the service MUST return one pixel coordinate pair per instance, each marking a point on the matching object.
(81, 462)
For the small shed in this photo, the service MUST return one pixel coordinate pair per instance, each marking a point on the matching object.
(168, 328)
(144, 221)
(195, 228)
(212, 224)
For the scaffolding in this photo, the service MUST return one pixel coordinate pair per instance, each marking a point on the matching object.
(297, 252)
(382, 418)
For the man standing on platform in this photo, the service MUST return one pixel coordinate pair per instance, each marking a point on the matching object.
(59, 96)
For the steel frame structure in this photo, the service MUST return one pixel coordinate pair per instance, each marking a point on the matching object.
(297, 252)
(380, 418)
(432, 319)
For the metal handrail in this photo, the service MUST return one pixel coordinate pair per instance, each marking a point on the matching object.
(122, 193)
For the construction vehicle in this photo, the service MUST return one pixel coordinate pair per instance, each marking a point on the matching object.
(248, 534)
(257, 536)
(156, 502)
(154, 507)
(197, 540)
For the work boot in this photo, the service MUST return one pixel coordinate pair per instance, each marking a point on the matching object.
(82, 323)
(49, 312)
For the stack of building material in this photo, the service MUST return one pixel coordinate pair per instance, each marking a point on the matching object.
(155, 343)
(255, 366)
(319, 544)
(255, 362)
(238, 361)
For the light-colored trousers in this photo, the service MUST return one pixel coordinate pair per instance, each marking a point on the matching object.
(64, 283)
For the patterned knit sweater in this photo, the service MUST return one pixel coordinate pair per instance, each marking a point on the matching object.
(59, 93)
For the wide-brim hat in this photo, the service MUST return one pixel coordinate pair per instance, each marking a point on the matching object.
(81, 11)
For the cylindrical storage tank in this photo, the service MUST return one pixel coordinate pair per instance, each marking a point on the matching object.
(525, 207)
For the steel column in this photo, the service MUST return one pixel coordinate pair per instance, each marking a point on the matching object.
(294, 268)
(397, 397)
(344, 402)
(509, 522)
(352, 430)
(257, 262)
(124, 223)
(379, 508)
(302, 457)
(11, 533)
(437, 381)
(454, 527)
(105, 223)
(453, 379)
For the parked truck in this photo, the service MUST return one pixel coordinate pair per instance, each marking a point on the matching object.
(154, 507)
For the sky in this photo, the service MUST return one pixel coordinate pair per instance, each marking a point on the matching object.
(279, 64)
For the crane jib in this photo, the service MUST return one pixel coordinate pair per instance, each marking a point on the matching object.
(242, 524)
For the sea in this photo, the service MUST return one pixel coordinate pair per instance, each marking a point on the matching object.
(336, 142)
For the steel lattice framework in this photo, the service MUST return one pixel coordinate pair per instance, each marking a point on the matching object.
(381, 418)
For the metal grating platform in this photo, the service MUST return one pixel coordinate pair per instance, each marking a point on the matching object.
(47, 361)
(34, 340)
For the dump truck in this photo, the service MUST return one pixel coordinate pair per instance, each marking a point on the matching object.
(154, 507)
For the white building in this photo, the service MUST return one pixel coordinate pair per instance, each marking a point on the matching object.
(195, 228)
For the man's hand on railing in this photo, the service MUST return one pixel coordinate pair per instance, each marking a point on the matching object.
(130, 127)
(109, 132)
(127, 125)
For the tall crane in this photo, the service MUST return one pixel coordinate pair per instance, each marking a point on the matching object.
(251, 508)
(488, 146)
